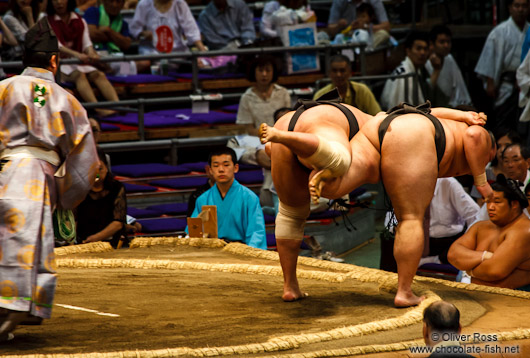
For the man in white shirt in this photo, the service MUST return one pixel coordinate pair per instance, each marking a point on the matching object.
(399, 90)
(498, 63)
(450, 80)
(451, 211)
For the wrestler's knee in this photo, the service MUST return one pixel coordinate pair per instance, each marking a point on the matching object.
(331, 155)
(290, 221)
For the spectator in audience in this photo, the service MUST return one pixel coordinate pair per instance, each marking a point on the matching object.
(353, 93)
(291, 12)
(74, 41)
(402, 89)
(516, 162)
(365, 20)
(264, 97)
(441, 329)
(343, 14)
(22, 14)
(451, 212)
(240, 217)
(265, 26)
(450, 79)
(110, 34)
(102, 215)
(227, 24)
(497, 252)
(498, 63)
(165, 26)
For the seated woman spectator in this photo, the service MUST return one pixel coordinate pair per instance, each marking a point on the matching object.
(102, 215)
(110, 34)
(74, 41)
(264, 97)
(21, 15)
(164, 26)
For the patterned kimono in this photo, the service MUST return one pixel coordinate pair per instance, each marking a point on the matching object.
(48, 158)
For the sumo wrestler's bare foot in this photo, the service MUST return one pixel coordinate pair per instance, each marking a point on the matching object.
(293, 295)
(316, 184)
(268, 134)
(407, 299)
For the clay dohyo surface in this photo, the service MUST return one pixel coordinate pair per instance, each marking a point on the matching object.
(124, 309)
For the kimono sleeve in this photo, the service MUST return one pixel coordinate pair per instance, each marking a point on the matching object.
(255, 232)
(77, 173)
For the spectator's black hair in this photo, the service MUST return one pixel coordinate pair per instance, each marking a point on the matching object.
(366, 8)
(442, 316)
(340, 58)
(511, 190)
(510, 2)
(514, 136)
(415, 36)
(38, 59)
(280, 112)
(439, 30)
(511, 134)
(221, 151)
(261, 61)
(17, 11)
(525, 152)
(50, 10)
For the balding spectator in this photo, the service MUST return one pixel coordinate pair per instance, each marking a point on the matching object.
(441, 329)
(227, 23)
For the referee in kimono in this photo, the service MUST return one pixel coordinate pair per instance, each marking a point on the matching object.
(48, 159)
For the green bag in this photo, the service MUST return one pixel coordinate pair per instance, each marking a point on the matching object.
(64, 227)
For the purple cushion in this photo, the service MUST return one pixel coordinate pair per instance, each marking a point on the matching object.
(169, 209)
(140, 78)
(231, 108)
(250, 177)
(243, 166)
(162, 225)
(141, 213)
(148, 169)
(152, 120)
(328, 214)
(269, 219)
(440, 268)
(181, 183)
(206, 76)
(119, 118)
(105, 127)
(183, 113)
(195, 167)
(136, 188)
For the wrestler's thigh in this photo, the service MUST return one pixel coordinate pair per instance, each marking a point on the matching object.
(409, 166)
(289, 177)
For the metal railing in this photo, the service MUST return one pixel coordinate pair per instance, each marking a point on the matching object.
(192, 57)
